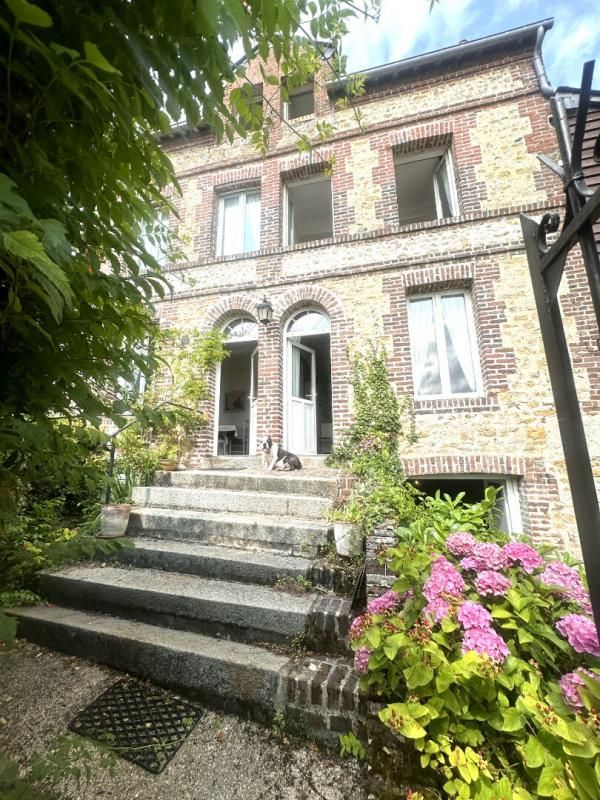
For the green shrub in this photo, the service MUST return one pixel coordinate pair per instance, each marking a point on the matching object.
(487, 660)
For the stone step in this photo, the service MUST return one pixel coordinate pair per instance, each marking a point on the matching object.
(251, 531)
(316, 695)
(238, 611)
(219, 563)
(226, 500)
(286, 483)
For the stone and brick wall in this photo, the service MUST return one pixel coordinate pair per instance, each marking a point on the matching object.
(494, 121)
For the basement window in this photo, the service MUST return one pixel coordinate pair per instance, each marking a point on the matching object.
(425, 187)
(301, 101)
(507, 514)
(308, 212)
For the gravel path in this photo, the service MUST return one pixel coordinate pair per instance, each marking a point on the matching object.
(224, 758)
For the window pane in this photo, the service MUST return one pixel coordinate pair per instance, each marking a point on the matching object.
(231, 241)
(426, 368)
(309, 322)
(252, 223)
(301, 373)
(458, 344)
(415, 190)
(443, 189)
(302, 101)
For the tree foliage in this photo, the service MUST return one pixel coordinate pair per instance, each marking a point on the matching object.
(86, 90)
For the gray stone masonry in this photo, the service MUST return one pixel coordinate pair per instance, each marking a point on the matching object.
(378, 577)
(212, 599)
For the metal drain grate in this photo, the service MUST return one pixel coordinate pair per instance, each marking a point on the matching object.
(142, 723)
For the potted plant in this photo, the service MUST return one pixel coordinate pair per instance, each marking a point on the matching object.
(114, 517)
(347, 527)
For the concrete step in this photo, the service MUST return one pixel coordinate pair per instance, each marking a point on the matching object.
(240, 675)
(318, 695)
(226, 500)
(238, 611)
(250, 531)
(285, 483)
(220, 563)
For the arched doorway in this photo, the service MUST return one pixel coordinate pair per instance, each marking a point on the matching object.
(308, 420)
(237, 390)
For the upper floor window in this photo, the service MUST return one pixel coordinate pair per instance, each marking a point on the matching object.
(239, 223)
(308, 212)
(155, 236)
(443, 345)
(301, 102)
(425, 187)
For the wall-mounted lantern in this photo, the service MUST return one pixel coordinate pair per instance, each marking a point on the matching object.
(264, 311)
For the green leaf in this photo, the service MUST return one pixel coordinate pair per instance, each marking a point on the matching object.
(24, 244)
(29, 14)
(374, 637)
(547, 782)
(533, 753)
(418, 675)
(95, 57)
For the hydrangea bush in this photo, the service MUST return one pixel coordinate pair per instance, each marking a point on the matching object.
(488, 660)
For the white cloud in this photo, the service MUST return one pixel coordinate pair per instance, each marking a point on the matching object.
(405, 28)
(574, 39)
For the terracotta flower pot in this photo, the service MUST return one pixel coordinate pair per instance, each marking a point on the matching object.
(168, 465)
(113, 520)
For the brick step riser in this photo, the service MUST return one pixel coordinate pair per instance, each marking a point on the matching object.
(322, 701)
(215, 501)
(217, 569)
(229, 534)
(241, 482)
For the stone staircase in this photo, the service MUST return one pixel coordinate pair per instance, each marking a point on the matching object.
(193, 606)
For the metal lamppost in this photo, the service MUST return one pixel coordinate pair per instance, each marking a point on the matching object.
(546, 267)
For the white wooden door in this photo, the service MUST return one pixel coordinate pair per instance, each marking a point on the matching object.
(302, 401)
(252, 401)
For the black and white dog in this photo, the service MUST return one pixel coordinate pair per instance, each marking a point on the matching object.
(273, 453)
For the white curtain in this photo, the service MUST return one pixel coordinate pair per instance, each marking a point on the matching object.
(232, 240)
(426, 369)
(458, 344)
(252, 223)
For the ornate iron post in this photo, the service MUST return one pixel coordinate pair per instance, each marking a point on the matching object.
(546, 267)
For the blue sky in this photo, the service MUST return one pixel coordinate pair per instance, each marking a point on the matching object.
(406, 28)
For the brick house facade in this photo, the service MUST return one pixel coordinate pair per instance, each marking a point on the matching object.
(474, 110)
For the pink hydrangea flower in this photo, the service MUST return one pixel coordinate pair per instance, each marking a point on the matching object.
(474, 615)
(384, 603)
(461, 543)
(470, 564)
(437, 609)
(523, 554)
(361, 659)
(359, 625)
(580, 632)
(490, 582)
(570, 684)
(485, 641)
(444, 579)
(486, 555)
(568, 580)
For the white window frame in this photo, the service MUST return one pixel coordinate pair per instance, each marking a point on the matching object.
(446, 157)
(286, 205)
(221, 217)
(297, 90)
(446, 393)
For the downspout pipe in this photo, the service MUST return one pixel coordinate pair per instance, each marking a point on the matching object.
(559, 113)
